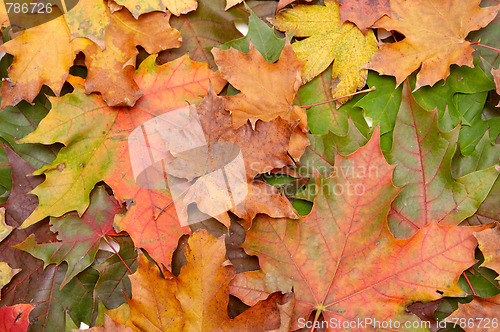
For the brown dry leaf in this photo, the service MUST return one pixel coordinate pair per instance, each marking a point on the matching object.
(196, 300)
(110, 71)
(478, 308)
(496, 78)
(489, 243)
(36, 63)
(267, 89)
(261, 150)
(435, 32)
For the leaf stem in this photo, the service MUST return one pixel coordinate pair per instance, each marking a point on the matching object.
(334, 99)
(469, 283)
(117, 254)
(486, 46)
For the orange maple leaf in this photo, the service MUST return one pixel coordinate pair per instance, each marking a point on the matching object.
(435, 32)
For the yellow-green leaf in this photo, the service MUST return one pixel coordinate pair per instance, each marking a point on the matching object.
(328, 41)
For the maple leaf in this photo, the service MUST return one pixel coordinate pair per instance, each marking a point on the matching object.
(207, 27)
(284, 3)
(33, 284)
(423, 155)
(328, 41)
(488, 243)
(325, 118)
(79, 237)
(262, 149)
(15, 318)
(341, 259)
(99, 151)
(484, 156)
(363, 13)
(109, 325)
(6, 273)
(478, 308)
(429, 43)
(88, 19)
(496, 77)
(5, 229)
(278, 82)
(459, 99)
(113, 280)
(176, 7)
(111, 71)
(489, 35)
(197, 299)
(36, 64)
(262, 37)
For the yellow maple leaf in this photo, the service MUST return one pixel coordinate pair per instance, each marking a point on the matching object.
(36, 63)
(328, 41)
(176, 7)
(435, 32)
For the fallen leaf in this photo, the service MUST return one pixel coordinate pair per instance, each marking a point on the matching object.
(488, 243)
(6, 273)
(284, 3)
(484, 156)
(33, 284)
(425, 311)
(15, 318)
(79, 237)
(325, 118)
(207, 27)
(88, 19)
(109, 325)
(328, 41)
(113, 280)
(153, 305)
(111, 71)
(197, 299)
(478, 308)
(423, 153)
(35, 64)
(176, 7)
(262, 38)
(496, 77)
(262, 150)
(5, 229)
(434, 33)
(232, 3)
(272, 97)
(99, 151)
(363, 13)
(341, 259)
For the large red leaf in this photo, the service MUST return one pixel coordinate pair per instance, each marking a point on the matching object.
(342, 261)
